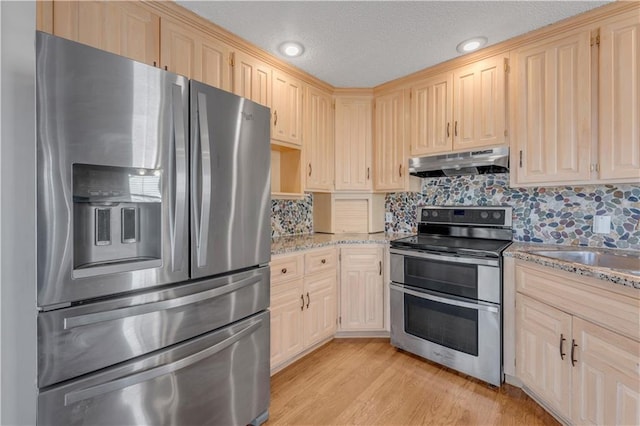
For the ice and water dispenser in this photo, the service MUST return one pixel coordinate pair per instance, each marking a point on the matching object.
(116, 219)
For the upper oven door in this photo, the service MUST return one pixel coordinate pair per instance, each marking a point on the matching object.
(469, 277)
(112, 144)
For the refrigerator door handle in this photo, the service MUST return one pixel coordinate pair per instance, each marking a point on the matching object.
(163, 370)
(179, 170)
(205, 156)
(94, 318)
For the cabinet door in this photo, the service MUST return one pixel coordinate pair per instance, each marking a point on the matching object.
(606, 378)
(390, 163)
(287, 109)
(321, 306)
(619, 99)
(361, 289)
(542, 335)
(123, 28)
(353, 143)
(195, 54)
(431, 115)
(252, 79)
(479, 104)
(552, 101)
(287, 305)
(318, 140)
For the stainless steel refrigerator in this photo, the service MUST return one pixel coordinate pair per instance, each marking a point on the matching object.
(153, 245)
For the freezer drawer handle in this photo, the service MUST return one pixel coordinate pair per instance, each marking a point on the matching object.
(163, 370)
(115, 314)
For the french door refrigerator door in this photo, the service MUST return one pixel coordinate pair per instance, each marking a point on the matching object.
(220, 378)
(112, 143)
(230, 182)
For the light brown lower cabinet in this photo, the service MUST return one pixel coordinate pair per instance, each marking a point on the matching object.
(303, 303)
(570, 357)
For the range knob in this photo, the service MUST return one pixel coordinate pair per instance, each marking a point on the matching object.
(434, 213)
(497, 215)
(484, 214)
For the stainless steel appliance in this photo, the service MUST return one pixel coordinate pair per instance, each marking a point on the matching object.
(481, 161)
(153, 245)
(446, 288)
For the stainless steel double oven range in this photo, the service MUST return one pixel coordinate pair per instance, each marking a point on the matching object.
(153, 245)
(446, 288)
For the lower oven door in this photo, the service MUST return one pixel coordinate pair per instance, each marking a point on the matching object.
(219, 378)
(461, 334)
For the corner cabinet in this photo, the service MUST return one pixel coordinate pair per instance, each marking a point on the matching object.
(318, 140)
(579, 359)
(353, 117)
(362, 289)
(390, 137)
(303, 303)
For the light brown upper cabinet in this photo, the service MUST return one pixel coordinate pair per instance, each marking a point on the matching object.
(432, 115)
(318, 140)
(619, 98)
(252, 79)
(552, 110)
(125, 28)
(479, 104)
(353, 143)
(389, 152)
(286, 109)
(555, 115)
(460, 110)
(194, 54)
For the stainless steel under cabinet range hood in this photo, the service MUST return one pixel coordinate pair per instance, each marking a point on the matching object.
(489, 160)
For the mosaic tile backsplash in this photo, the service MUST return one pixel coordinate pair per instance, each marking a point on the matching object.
(561, 215)
(292, 217)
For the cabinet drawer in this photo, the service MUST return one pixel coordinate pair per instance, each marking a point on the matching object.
(323, 260)
(287, 267)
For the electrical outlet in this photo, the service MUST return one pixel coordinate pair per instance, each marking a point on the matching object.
(388, 217)
(601, 224)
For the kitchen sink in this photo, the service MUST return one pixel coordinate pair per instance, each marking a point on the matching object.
(628, 263)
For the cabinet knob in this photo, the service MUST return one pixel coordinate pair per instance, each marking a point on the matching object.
(155, 64)
(284, 270)
(323, 261)
(166, 68)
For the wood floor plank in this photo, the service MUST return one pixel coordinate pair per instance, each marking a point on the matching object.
(369, 382)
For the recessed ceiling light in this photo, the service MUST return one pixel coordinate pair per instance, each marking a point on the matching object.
(471, 44)
(291, 49)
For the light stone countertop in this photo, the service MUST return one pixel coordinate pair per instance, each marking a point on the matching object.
(524, 251)
(293, 243)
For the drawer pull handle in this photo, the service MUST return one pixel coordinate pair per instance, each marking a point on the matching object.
(284, 270)
(302, 300)
(562, 339)
(573, 350)
(323, 261)
(308, 300)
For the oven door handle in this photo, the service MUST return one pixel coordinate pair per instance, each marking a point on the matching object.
(478, 306)
(444, 258)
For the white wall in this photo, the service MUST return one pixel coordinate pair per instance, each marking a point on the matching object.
(17, 214)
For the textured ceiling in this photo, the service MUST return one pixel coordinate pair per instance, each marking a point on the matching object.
(366, 43)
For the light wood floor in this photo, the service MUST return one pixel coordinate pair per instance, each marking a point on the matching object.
(369, 382)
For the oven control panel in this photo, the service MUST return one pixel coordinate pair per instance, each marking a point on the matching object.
(500, 216)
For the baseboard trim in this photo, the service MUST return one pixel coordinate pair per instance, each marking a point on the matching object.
(302, 354)
(546, 407)
(362, 334)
